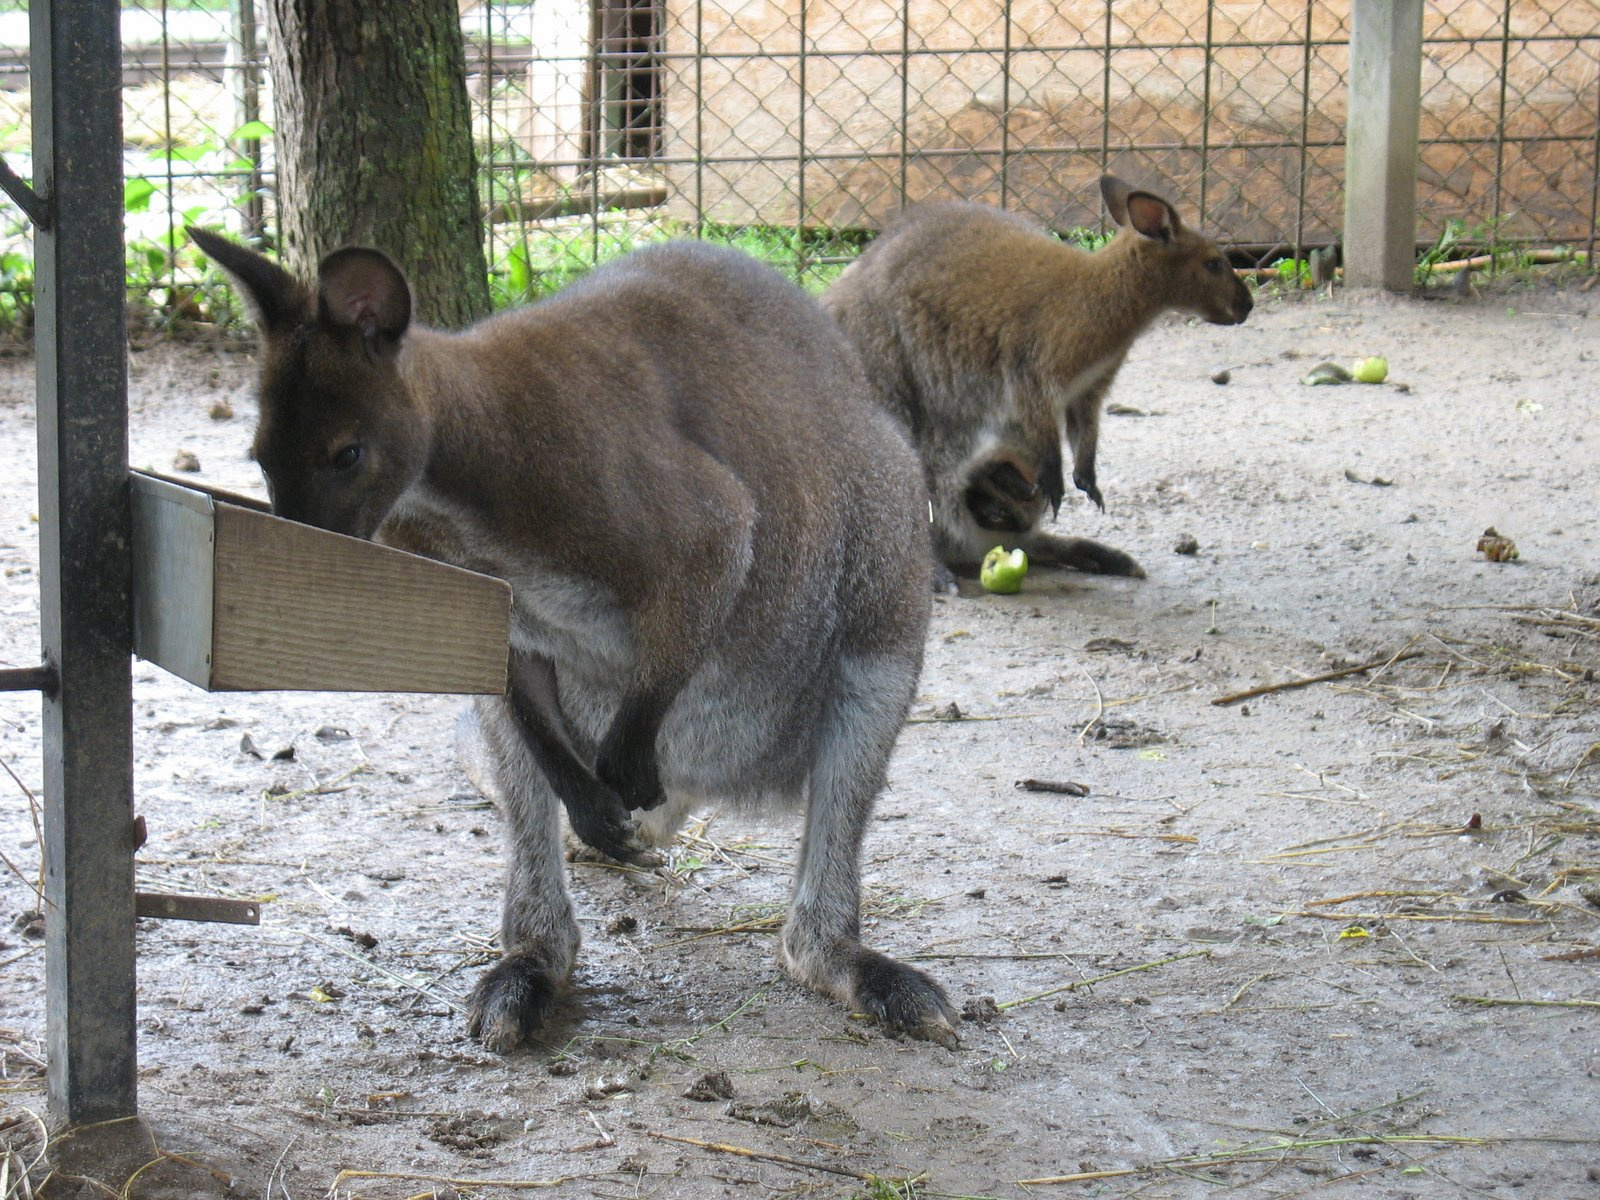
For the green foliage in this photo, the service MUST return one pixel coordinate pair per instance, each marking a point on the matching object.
(1085, 238)
(16, 292)
(539, 262)
(1293, 272)
(1446, 248)
(878, 1188)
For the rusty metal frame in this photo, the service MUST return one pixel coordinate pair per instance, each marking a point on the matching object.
(80, 338)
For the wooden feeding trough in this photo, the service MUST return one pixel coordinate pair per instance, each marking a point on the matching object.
(232, 598)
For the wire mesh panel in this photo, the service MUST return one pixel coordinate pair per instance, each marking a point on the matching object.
(1510, 122)
(796, 127)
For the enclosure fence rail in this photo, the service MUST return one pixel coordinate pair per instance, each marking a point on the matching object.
(803, 126)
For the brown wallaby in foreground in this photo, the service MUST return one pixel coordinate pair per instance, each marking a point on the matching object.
(986, 336)
(715, 545)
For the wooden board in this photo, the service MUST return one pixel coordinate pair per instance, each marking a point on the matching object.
(232, 598)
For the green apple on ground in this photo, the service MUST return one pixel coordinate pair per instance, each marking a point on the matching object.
(1003, 570)
(1371, 370)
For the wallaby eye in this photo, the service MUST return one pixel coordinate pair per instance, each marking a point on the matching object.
(347, 457)
(1215, 265)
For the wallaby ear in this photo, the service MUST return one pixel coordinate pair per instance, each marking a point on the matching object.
(363, 288)
(279, 300)
(1115, 193)
(1145, 214)
(1152, 216)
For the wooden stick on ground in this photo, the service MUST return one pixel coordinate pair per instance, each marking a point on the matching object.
(1267, 688)
(765, 1156)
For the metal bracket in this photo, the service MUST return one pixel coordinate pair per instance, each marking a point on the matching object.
(196, 908)
(35, 206)
(42, 678)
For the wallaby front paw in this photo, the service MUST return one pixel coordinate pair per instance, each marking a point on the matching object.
(630, 771)
(512, 1001)
(605, 826)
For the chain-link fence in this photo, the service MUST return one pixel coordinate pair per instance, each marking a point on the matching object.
(797, 126)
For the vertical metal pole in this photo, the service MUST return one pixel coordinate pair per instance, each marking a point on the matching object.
(800, 183)
(905, 101)
(700, 117)
(1380, 177)
(84, 538)
(249, 84)
(1594, 198)
(1205, 111)
(1303, 174)
(1497, 207)
(1105, 99)
(1005, 110)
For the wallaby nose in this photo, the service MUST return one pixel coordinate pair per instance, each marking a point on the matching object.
(1243, 303)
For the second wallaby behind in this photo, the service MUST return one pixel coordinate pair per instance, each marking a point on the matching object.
(989, 339)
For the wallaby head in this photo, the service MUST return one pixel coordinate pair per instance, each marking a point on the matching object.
(341, 435)
(1193, 274)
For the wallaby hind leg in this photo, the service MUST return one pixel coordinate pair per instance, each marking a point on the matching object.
(1081, 554)
(538, 931)
(821, 944)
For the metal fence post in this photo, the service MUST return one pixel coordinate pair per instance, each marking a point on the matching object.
(84, 549)
(1380, 183)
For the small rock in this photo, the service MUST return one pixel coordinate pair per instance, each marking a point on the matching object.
(331, 733)
(626, 923)
(1221, 377)
(186, 460)
(29, 924)
(607, 1085)
(983, 1010)
(1107, 645)
(221, 410)
(1186, 544)
(782, 1113)
(713, 1085)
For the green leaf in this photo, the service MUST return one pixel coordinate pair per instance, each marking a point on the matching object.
(519, 272)
(192, 154)
(1265, 922)
(251, 131)
(136, 193)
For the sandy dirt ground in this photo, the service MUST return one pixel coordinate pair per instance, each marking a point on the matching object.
(1336, 940)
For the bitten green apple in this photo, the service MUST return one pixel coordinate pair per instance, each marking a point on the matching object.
(1003, 570)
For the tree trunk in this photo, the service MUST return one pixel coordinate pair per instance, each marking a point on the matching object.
(374, 142)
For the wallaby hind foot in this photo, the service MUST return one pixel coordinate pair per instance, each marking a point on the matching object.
(512, 1001)
(902, 999)
(1081, 554)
